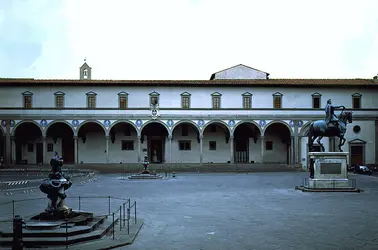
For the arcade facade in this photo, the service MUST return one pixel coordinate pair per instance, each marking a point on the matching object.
(165, 141)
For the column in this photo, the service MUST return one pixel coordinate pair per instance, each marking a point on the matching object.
(8, 145)
(170, 148)
(138, 149)
(13, 151)
(76, 155)
(44, 148)
(201, 149)
(295, 149)
(262, 148)
(292, 150)
(231, 149)
(107, 149)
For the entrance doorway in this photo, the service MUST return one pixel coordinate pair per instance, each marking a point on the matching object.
(39, 153)
(156, 150)
(357, 155)
(241, 150)
(68, 150)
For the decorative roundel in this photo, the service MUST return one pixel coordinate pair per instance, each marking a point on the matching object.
(4, 123)
(356, 129)
(292, 123)
(201, 123)
(43, 123)
(107, 123)
(12, 123)
(300, 123)
(262, 123)
(75, 123)
(139, 123)
(170, 123)
(231, 123)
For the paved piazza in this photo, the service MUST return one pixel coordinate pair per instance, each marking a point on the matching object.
(237, 211)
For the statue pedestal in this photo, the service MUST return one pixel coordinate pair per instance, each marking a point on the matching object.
(329, 172)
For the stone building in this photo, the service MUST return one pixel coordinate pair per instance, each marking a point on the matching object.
(240, 115)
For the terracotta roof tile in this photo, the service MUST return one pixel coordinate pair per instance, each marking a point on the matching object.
(228, 82)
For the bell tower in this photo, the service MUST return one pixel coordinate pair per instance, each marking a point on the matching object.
(85, 71)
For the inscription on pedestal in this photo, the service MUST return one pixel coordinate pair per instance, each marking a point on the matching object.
(330, 168)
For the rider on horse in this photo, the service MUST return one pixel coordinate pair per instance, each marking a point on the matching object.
(330, 114)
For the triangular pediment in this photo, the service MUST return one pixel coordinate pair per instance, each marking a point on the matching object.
(186, 94)
(216, 94)
(357, 141)
(123, 93)
(91, 93)
(85, 66)
(27, 93)
(59, 93)
(246, 94)
(240, 71)
(154, 93)
(356, 95)
(277, 94)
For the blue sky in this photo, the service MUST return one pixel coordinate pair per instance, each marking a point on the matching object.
(188, 39)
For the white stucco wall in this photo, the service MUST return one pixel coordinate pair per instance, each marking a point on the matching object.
(107, 97)
(93, 150)
(185, 156)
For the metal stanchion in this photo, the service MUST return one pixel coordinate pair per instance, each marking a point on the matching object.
(120, 218)
(128, 221)
(113, 226)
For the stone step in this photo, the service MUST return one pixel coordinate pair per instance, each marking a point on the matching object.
(37, 240)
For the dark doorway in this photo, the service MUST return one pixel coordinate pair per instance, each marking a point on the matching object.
(39, 153)
(357, 155)
(18, 152)
(241, 150)
(156, 150)
(68, 150)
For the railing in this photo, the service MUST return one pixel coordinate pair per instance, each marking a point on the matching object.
(352, 183)
(122, 214)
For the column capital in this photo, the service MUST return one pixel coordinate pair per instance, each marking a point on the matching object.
(138, 137)
(106, 137)
(170, 137)
(262, 137)
(75, 137)
(13, 138)
(231, 137)
(201, 137)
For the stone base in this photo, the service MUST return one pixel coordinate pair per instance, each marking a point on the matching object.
(145, 176)
(329, 183)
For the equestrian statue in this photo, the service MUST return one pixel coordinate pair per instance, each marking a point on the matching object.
(332, 126)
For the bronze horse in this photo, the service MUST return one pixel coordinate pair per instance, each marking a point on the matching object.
(319, 129)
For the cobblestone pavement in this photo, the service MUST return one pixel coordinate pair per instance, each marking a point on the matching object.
(236, 211)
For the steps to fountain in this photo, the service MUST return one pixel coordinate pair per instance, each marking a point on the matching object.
(142, 176)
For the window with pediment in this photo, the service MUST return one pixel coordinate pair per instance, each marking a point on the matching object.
(247, 100)
(27, 99)
(216, 100)
(185, 100)
(277, 100)
(316, 100)
(91, 100)
(59, 100)
(154, 98)
(356, 100)
(123, 100)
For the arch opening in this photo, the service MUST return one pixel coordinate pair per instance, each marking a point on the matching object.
(123, 143)
(156, 148)
(59, 138)
(29, 144)
(186, 143)
(247, 144)
(91, 143)
(216, 146)
(277, 146)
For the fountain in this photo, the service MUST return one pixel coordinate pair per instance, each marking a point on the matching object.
(145, 174)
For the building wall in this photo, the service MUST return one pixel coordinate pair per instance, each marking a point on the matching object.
(185, 156)
(240, 72)
(93, 150)
(107, 97)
